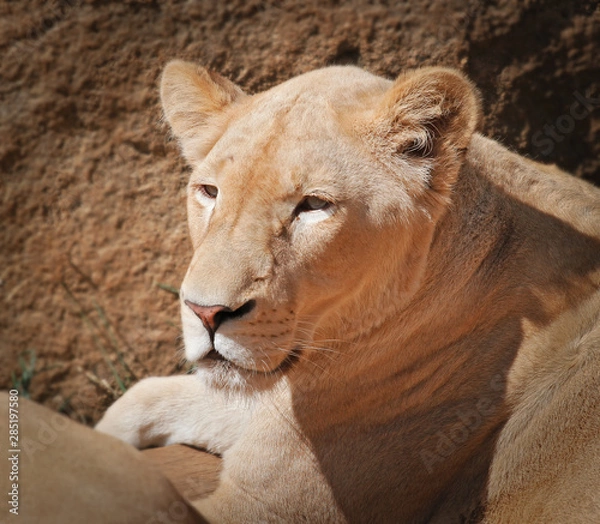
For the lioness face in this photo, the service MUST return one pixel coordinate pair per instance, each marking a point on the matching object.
(290, 210)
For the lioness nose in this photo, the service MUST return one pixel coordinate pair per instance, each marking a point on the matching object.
(213, 316)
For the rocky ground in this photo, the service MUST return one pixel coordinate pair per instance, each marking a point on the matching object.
(92, 189)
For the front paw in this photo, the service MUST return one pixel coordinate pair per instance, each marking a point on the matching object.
(119, 423)
(131, 418)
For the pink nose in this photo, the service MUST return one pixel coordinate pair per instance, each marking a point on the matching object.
(211, 316)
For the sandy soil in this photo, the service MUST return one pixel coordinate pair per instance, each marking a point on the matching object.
(92, 189)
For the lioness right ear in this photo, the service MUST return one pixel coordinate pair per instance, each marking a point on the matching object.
(192, 99)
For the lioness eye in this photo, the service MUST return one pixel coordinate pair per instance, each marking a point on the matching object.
(312, 203)
(208, 191)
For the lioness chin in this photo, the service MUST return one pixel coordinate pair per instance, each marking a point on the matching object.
(394, 319)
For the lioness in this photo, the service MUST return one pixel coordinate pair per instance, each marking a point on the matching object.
(394, 318)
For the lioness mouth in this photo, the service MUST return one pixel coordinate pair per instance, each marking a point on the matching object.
(213, 354)
(287, 363)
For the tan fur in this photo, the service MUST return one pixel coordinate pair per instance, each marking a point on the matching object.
(66, 473)
(425, 349)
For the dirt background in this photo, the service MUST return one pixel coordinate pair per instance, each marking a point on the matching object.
(92, 188)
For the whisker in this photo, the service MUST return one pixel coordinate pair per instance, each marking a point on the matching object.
(303, 358)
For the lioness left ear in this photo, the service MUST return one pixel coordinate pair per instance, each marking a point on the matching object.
(192, 99)
(428, 117)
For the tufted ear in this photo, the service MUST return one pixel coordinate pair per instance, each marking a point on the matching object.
(426, 121)
(192, 99)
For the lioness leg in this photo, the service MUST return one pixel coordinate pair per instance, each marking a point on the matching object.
(158, 411)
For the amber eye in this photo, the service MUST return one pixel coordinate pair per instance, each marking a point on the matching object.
(208, 191)
(312, 203)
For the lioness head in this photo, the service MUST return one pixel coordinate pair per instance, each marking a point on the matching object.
(311, 206)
